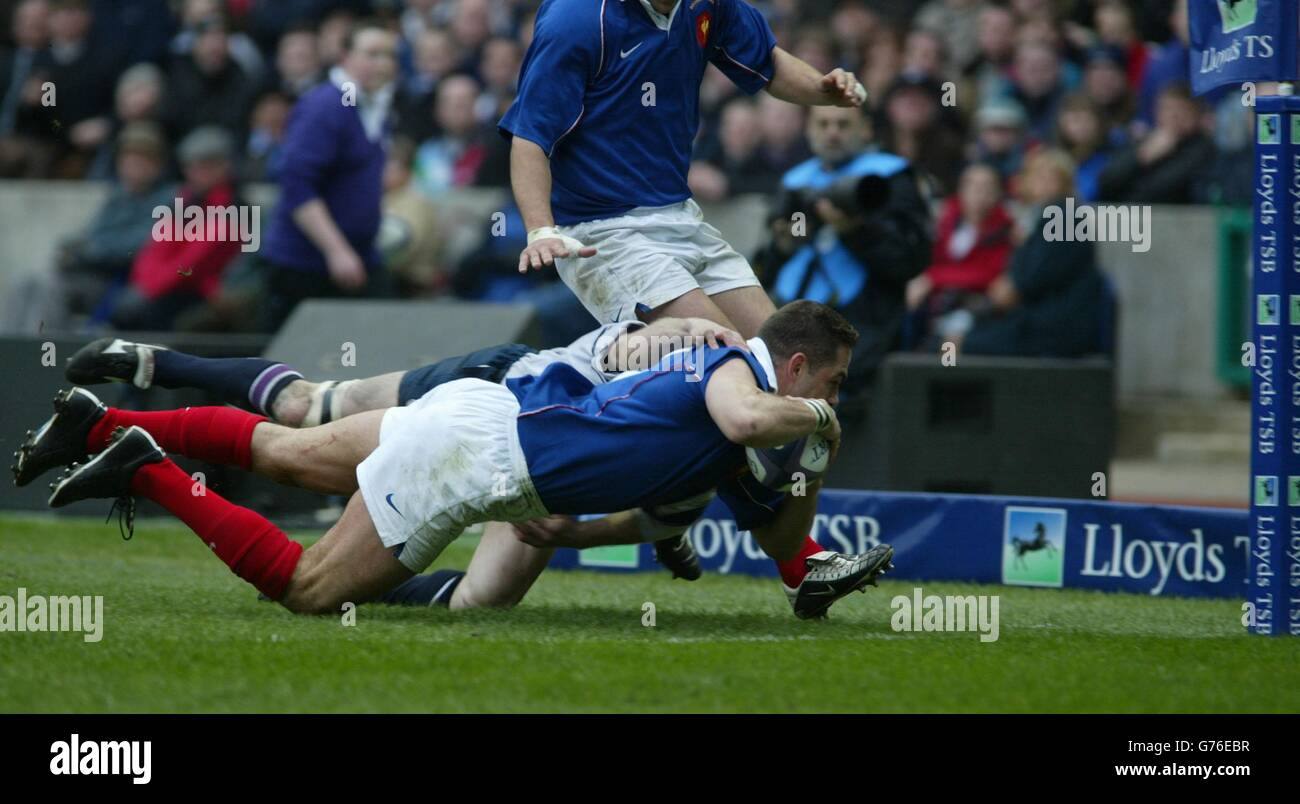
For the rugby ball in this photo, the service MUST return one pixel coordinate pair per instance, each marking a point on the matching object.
(779, 468)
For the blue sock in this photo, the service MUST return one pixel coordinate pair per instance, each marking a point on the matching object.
(249, 382)
(434, 589)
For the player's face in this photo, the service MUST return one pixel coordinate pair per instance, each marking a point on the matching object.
(803, 379)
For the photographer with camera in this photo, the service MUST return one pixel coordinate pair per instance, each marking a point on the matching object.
(850, 228)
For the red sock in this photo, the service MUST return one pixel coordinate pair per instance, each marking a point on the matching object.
(215, 434)
(252, 547)
(793, 570)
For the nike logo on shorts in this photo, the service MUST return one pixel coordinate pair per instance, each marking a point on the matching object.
(389, 499)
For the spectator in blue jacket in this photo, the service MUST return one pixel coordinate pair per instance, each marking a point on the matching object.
(321, 242)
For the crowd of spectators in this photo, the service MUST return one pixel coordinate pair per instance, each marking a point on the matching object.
(971, 93)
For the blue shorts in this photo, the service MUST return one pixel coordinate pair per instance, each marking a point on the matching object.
(489, 364)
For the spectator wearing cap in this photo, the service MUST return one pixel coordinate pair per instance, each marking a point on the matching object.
(321, 240)
(1106, 85)
(917, 129)
(207, 86)
(102, 254)
(1165, 166)
(1000, 137)
(176, 272)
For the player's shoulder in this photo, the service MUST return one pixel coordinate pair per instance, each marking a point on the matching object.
(569, 17)
(744, 360)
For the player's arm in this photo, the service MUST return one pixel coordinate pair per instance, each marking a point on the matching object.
(638, 349)
(566, 55)
(625, 527)
(530, 179)
(797, 81)
(747, 415)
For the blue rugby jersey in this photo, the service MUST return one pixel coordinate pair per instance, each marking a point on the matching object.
(586, 84)
(644, 439)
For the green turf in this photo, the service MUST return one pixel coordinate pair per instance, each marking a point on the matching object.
(182, 634)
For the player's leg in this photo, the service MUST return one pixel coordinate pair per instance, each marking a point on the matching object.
(321, 459)
(348, 564)
(252, 383)
(502, 570)
(274, 389)
(500, 573)
(310, 404)
(746, 308)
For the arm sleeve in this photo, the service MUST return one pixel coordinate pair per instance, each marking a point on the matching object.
(741, 44)
(309, 151)
(566, 55)
(752, 504)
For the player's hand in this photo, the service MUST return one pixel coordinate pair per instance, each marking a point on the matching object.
(542, 252)
(725, 337)
(841, 88)
(556, 530)
(346, 269)
(832, 434)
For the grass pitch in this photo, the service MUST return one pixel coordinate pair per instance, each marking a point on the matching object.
(182, 634)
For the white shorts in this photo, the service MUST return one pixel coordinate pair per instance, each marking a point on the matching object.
(649, 257)
(446, 461)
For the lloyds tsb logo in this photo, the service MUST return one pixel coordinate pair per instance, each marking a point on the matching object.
(1238, 14)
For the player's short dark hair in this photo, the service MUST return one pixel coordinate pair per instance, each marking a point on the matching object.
(809, 327)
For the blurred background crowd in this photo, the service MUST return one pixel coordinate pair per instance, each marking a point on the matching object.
(994, 109)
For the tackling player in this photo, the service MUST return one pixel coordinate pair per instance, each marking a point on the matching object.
(503, 567)
(472, 451)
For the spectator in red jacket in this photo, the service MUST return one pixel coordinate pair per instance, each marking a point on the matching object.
(181, 267)
(973, 242)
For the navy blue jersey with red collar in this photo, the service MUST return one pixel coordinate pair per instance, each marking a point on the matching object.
(644, 439)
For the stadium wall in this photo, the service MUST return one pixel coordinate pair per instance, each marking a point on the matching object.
(1162, 349)
(1019, 541)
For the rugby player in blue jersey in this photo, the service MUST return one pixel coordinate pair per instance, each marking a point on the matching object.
(473, 451)
(601, 135)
